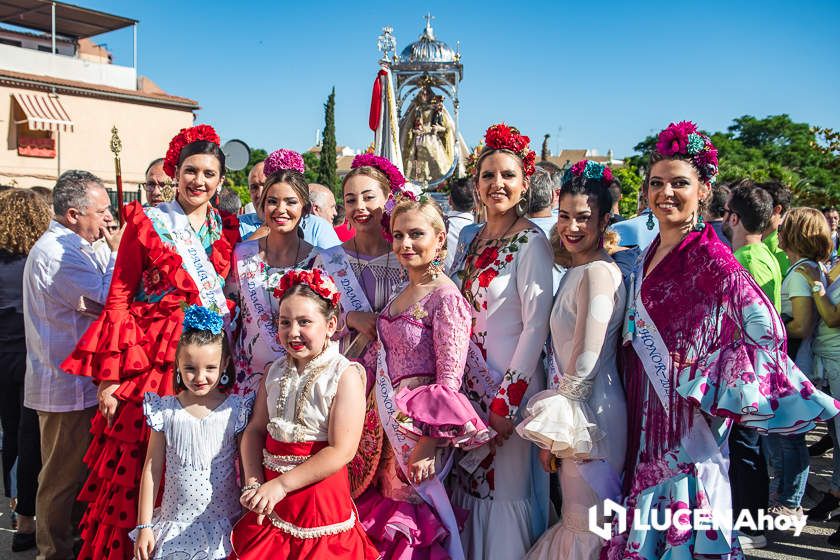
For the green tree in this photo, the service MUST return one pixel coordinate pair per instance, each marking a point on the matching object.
(804, 157)
(311, 164)
(631, 182)
(327, 170)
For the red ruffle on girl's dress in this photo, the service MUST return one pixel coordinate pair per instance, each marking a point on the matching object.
(319, 507)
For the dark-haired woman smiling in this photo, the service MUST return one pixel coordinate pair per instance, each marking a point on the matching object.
(178, 252)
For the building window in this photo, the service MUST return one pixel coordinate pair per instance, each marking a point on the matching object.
(45, 48)
(11, 42)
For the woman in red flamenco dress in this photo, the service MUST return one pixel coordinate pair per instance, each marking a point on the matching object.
(172, 255)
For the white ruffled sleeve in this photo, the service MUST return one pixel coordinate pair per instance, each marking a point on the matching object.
(154, 408)
(561, 420)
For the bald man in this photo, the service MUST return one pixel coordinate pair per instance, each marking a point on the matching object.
(323, 202)
(156, 180)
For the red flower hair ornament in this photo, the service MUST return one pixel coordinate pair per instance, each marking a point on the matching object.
(318, 281)
(201, 132)
(503, 137)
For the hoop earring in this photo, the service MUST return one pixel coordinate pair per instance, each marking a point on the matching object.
(650, 223)
(224, 379)
(521, 207)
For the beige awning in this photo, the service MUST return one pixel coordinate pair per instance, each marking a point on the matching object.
(43, 112)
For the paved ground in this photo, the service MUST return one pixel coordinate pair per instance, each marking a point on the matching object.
(810, 545)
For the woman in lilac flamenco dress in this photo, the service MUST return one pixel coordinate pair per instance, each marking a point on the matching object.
(705, 348)
(424, 338)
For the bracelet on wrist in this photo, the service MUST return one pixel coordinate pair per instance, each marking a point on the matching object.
(252, 486)
(144, 526)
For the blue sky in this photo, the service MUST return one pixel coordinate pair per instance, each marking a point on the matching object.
(608, 73)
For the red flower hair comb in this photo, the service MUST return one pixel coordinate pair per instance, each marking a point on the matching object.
(503, 137)
(318, 281)
(186, 136)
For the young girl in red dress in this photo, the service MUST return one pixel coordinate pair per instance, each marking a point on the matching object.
(305, 428)
(174, 254)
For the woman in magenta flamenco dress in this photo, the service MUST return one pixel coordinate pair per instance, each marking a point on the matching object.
(706, 348)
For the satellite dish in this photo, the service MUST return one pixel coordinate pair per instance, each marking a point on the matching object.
(237, 154)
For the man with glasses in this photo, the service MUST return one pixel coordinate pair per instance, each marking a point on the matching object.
(156, 183)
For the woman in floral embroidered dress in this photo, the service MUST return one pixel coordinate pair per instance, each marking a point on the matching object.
(130, 349)
(694, 310)
(424, 333)
(505, 274)
(258, 265)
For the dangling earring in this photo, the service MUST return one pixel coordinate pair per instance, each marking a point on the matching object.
(224, 379)
(178, 382)
(699, 225)
(650, 223)
(436, 266)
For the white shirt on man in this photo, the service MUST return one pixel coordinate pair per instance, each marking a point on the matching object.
(64, 274)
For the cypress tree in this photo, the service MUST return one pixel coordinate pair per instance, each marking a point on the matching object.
(327, 170)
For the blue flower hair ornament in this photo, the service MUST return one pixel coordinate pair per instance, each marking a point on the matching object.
(588, 169)
(197, 318)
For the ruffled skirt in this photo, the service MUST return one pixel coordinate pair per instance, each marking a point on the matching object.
(115, 459)
(404, 530)
(318, 521)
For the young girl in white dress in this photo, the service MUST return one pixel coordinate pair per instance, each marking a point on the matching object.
(194, 437)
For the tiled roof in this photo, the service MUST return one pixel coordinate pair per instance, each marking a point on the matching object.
(46, 83)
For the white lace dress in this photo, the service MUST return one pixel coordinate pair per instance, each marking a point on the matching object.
(201, 494)
(582, 417)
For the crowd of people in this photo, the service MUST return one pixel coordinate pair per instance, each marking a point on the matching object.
(382, 379)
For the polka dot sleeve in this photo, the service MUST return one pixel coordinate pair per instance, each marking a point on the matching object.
(154, 408)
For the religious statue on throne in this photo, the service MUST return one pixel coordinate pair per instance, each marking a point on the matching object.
(427, 138)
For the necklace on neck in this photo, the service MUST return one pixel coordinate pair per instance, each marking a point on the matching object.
(294, 262)
(484, 228)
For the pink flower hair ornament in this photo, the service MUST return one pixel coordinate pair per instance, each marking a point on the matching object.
(397, 185)
(683, 139)
(282, 159)
(395, 177)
